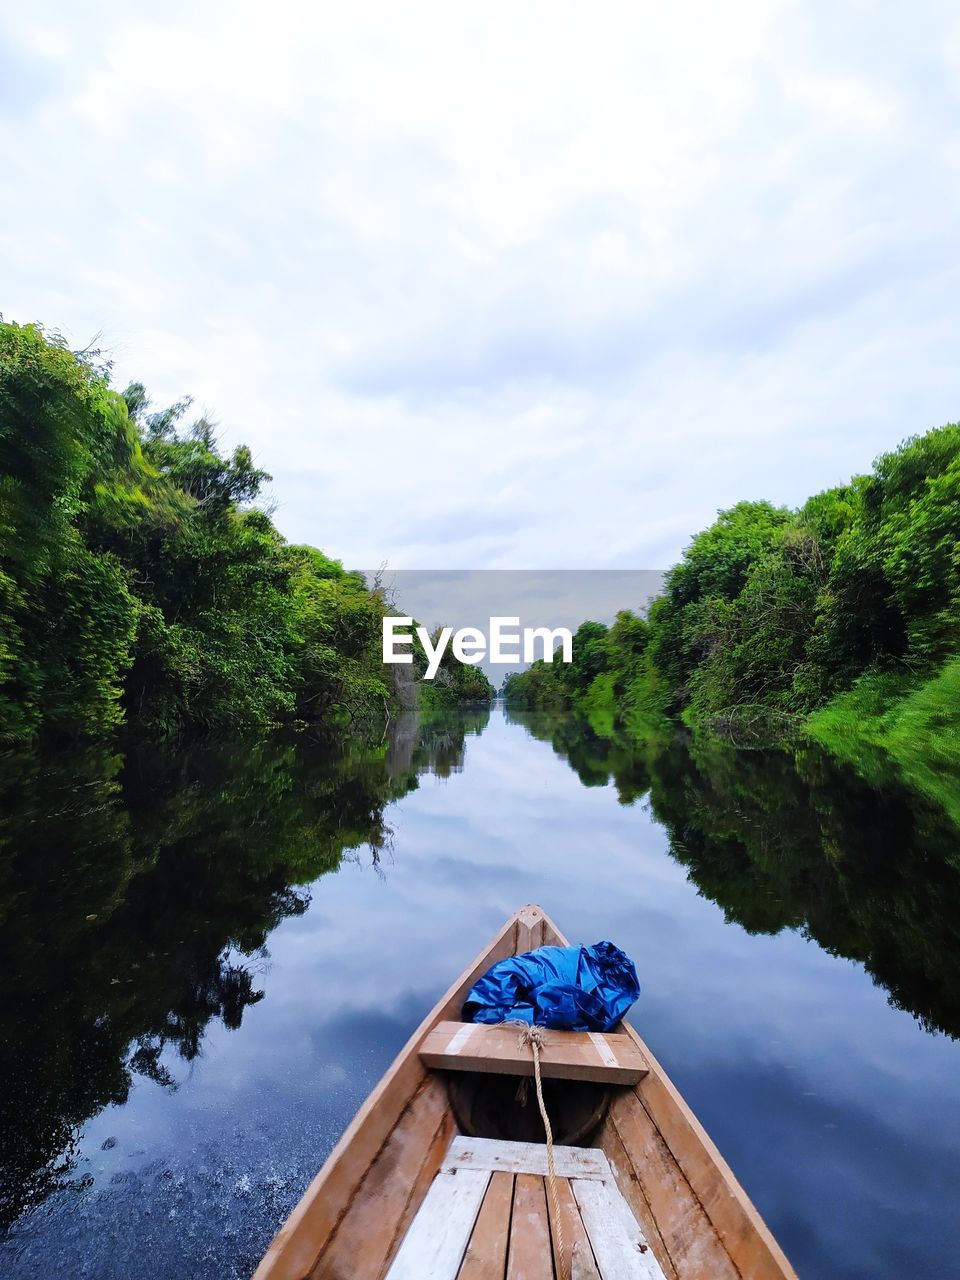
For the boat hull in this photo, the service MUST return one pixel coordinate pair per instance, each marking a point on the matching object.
(351, 1220)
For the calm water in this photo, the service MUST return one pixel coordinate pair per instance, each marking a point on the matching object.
(270, 922)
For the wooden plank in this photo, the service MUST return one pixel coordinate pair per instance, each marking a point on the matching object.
(691, 1241)
(495, 1155)
(566, 1055)
(486, 1256)
(297, 1244)
(744, 1234)
(428, 1171)
(530, 1256)
(738, 1224)
(615, 1238)
(574, 1235)
(434, 1246)
(552, 937)
(634, 1231)
(629, 1187)
(530, 928)
(363, 1238)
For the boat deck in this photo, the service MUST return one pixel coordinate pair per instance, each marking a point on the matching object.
(407, 1194)
(490, 1215)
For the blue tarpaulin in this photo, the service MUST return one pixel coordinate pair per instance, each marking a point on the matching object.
(567, 988)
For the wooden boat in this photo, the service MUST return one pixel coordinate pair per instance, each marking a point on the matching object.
(436, 1178)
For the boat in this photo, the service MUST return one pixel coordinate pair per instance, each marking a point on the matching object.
(445, 1172)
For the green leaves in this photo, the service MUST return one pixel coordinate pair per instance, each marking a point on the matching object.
(772, 613)
(136, 578)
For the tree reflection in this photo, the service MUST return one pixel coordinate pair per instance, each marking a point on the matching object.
(795, 840)
(137, 894)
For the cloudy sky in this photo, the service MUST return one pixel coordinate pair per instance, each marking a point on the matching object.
(513, 285)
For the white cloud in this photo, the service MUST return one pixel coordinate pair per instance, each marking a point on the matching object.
(515, 286)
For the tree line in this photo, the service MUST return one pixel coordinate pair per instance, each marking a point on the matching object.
(841, 618)
(141, 582)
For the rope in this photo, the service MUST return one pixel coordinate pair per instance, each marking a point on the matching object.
(533, 1036)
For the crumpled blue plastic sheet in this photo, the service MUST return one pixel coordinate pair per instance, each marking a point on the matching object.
(567, 988)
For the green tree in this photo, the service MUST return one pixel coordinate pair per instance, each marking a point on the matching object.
(138, 577)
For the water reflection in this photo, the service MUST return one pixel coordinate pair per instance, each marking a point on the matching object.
(794, 840)
(137, 894)
(174, 1069)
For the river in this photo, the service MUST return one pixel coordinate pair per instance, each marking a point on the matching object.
(209, 956)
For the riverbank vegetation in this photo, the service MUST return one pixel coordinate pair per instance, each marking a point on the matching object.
(455, 684)
(840, 620)
(140, 580)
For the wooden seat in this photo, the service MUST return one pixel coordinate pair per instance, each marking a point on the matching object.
(489, 1214)
(566, 1055)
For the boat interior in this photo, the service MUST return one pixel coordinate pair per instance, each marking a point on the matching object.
(444, 1173)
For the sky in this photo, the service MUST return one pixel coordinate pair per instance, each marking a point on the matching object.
(504, 286)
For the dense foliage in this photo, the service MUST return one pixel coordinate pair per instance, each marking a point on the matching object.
(772, 614)
(455, 684)
(138, 579)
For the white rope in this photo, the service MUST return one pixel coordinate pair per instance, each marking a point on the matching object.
(533, 1036)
